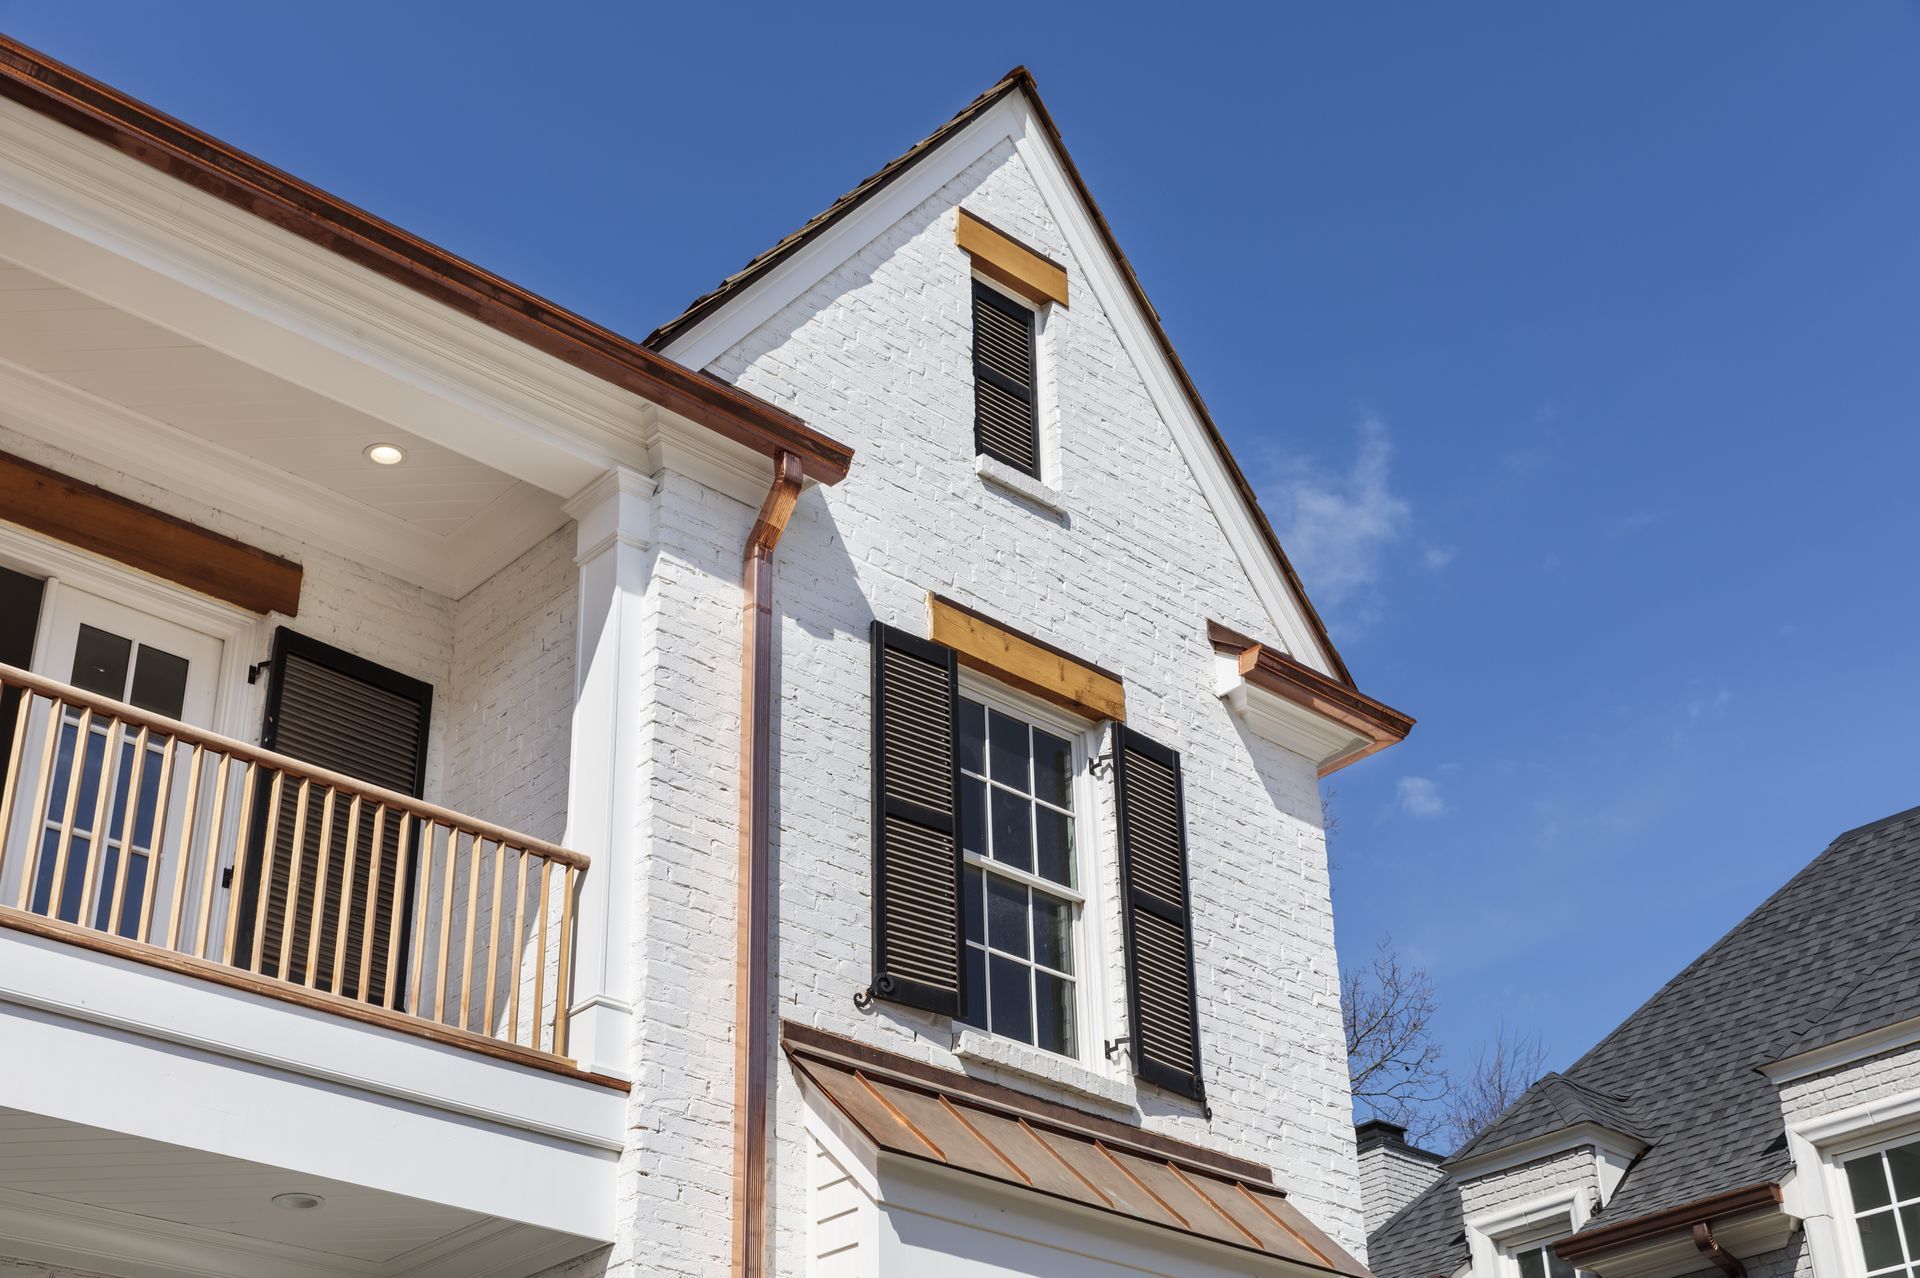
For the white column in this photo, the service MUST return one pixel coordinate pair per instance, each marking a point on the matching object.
(614, 518)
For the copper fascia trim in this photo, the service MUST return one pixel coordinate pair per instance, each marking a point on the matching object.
(1673, 1219)
(1271, 670)
(753, 960)
(800, 1041)
(140, 132)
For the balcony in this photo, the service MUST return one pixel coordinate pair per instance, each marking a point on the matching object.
(231, 982)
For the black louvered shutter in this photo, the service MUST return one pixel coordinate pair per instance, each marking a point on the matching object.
(916, 822)
(1157, 910)
(1004, 425)
(330, 708)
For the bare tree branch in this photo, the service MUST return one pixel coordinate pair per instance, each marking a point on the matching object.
(1393, 1062)
(1501, 1071)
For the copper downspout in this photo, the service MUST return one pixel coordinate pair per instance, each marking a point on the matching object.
(752, 1040)
(1728, 1263)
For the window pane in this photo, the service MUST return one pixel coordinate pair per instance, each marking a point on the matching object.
(1007, 916)
(1532, 1264)
(973, 737)
(1910, 1222)
(1053, 1010)
(1013, 829)
(976, 1013)
(1053, 845)
(159, 682)
(973, 815)
(100, 662)
(1052, 768)
(1052, 932)
(1556, 1267)
(1904, 1163)
(1868, 1181)
(973, 908)
(1012, 998)
(1007, 744)
(1879, 1240)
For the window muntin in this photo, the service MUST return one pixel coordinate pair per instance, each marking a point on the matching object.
(1540, 1260)
(1006, 420)
(1023, 899)
(1885, 1186)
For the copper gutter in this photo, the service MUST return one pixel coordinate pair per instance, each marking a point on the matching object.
(752, 1043)
(1268, 668)
(183, 152)
(1686, 1216)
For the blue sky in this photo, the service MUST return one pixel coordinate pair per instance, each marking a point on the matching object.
(1572, 348)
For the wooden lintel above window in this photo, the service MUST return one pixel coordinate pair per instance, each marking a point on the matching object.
(1021, 661)
(105, 523)
(1007, 261)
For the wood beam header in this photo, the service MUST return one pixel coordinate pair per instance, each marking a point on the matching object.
(1005, 260)
(1021, 661)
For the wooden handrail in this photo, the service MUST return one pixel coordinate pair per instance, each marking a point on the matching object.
(13, 676)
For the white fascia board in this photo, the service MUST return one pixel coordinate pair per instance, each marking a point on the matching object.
(1287, 724)
(1847, 1051)
(1674, 1253)
(1565, 1140)
(250, 1077)
(1012, 119)
(107, 225)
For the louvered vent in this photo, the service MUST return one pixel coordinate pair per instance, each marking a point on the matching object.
(1159, 932)
(916, 908)
(342, 721)
(1003, 379)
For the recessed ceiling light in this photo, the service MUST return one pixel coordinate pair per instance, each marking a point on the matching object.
(386, 454)
(298, 1201)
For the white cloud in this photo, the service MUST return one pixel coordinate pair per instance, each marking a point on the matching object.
(1438, 557)
(1337, 528)
(1419, 796)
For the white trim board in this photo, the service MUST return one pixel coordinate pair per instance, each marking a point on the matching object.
(1012, 120)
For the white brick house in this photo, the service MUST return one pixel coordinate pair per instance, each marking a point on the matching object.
(502, 894)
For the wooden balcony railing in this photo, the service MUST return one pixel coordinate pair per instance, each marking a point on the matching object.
(136, 834)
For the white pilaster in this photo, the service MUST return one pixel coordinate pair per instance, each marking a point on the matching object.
(614, 555)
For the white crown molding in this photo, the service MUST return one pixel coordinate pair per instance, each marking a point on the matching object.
(1847, 1051)
(1287, 724)
(77, 421)
(1011, 119)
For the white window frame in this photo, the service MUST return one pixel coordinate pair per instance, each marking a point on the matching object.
(1043, 489)
(1091, 1026)
(1819, 1193)
(1495, 1238)
(60, 564)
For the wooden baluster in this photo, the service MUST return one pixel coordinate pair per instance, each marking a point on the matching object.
(97, 832)
(425, 881)
(76, 770)
(368, 918)
(318, 922)
(290, 911)
(129, 822)
(473, 917)
(562, 961)
(268, 847)
(402, 854)
(540, 958)
(446, 927)
(10, 785)
(346, 894)
(519, 930)
(42, 790)
(186, 849)
(157, 844)
(205, 919)
(493, 937)
(242, 840)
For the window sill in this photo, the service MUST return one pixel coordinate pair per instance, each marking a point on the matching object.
(1019, 483)
(1044, 1067)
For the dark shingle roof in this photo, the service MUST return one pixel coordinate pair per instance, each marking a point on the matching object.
(1826, 957)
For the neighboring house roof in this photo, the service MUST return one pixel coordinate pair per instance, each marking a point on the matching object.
(1016, 80)
(183, 152)
(1825, 957)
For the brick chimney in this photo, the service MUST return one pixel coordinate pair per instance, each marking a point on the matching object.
(1392, 1172)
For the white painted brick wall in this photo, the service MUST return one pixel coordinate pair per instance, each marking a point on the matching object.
(879, 356)
(1390, 1178)
(1876, 1078)
(1516, 1185)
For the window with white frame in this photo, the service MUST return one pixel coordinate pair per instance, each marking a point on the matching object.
(1540, 1260)
(1885, 1187)
(1024, 888)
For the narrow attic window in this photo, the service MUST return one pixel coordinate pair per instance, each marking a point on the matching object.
(1005, 415)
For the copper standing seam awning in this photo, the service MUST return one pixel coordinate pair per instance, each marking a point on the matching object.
(916, 1110)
